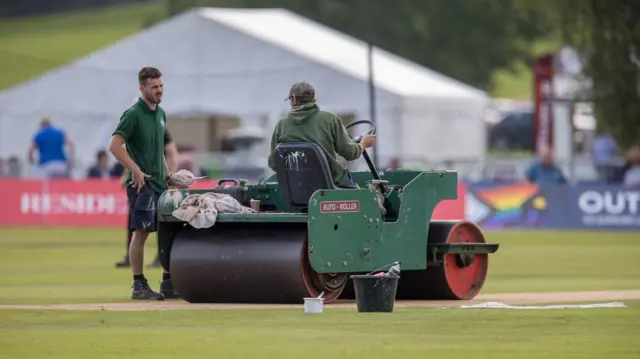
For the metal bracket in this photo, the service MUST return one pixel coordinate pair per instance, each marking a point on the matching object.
(434, 262)
(463, 248)
(437, 250)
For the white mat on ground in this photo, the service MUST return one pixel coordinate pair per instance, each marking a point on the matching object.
(201, 210)
(499, 305)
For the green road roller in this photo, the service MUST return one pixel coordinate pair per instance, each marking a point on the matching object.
(306, 236)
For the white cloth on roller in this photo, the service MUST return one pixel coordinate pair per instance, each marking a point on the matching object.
(201, 210)
(181, 179)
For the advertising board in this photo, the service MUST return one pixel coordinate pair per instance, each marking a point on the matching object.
(103, 203)
(528, 205)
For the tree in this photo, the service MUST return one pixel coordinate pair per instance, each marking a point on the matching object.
(463, 39)
(607, 33)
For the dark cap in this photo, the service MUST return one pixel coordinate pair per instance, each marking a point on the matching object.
(301, 89)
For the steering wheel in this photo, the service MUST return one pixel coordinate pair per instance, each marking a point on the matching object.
(357, 139)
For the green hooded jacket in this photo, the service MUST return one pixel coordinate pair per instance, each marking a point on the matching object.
(307, 123)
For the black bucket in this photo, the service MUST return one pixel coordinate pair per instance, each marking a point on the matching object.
(375, 293)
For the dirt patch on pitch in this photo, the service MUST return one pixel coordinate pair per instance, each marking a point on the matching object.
(509, 298)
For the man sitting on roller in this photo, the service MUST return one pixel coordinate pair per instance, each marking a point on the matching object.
(307, 123)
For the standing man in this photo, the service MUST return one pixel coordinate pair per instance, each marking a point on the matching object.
(171, 151)
(49, 142)
(142, 128)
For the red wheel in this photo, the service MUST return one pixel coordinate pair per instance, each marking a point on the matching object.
(456, 276)
(332, 284)
(459, 276)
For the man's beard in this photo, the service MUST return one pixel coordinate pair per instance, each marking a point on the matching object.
(152, 100)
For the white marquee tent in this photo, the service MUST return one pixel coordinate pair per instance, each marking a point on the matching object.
(243, 62)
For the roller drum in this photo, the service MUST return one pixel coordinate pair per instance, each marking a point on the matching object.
(248, 263)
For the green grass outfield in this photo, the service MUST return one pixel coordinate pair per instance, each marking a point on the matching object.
(428, 333)
(72, 265)
(75, 265)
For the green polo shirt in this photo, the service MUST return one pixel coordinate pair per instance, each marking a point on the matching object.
(143, 132)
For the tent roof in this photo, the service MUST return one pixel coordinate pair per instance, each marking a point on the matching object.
(339, 51)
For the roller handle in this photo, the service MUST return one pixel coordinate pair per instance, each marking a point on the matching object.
(374, 172)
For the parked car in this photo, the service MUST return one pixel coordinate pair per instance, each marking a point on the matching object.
(513, 132)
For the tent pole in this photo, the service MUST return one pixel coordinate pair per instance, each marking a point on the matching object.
(372, 99)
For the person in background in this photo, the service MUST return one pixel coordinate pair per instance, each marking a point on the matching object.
(171, 152)
(603, 151)
(621, 171)
(117, 170)
(49, 142)
(101, 168)
(632, 173)
(13, 168)
(545, 171)
(173, 158)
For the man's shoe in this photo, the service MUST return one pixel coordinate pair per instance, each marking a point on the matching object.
(167, 289)
(142, 291)
(124, 262)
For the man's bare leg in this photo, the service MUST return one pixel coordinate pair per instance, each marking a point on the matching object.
(136, 251)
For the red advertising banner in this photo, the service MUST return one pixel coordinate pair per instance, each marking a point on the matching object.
(452, 209)
(103, 203)
(66, 203)
(88, 203)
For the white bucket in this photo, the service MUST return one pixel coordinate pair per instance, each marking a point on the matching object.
(313, 305)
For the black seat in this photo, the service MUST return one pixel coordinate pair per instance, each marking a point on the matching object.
(301, 169)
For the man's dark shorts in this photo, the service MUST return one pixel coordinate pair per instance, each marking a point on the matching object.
(143, 208)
